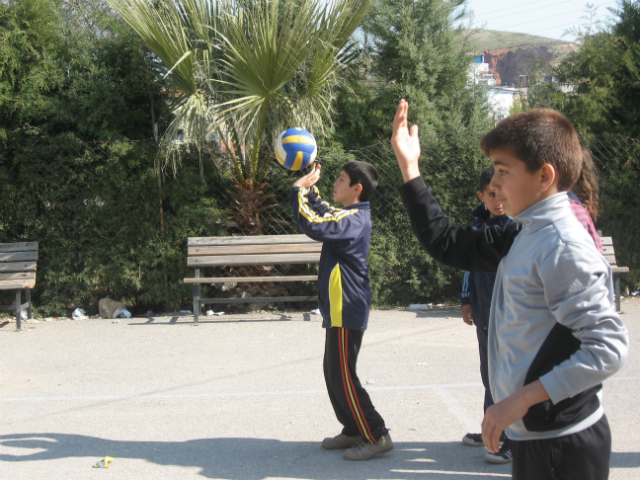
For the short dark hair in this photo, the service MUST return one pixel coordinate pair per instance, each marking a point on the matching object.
(536, 137)
(365, 174)
(485, 178)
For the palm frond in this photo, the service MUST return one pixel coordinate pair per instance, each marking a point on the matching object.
(161, 27)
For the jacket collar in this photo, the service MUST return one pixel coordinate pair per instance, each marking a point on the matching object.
(544, 212)
(482, 212)
(357, 205)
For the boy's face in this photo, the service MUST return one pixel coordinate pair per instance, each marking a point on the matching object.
(488, 197)
(343, 192)
(516, 187)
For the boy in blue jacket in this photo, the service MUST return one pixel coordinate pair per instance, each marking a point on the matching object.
(344, 298)
(477, 290)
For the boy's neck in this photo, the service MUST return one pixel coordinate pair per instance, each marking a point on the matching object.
(350, 202)
(541, 200)
(543, 196)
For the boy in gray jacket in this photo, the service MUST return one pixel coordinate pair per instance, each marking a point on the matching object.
(554, 334)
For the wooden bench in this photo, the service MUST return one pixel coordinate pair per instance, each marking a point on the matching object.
(258, 250)
(609, 254)
(18, 265)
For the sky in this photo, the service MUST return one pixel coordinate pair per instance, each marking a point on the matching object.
(546, 18)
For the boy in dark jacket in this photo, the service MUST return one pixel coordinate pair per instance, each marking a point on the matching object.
(344, 298)
(477, 290)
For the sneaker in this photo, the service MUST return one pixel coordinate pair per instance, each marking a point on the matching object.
(340, 442)
(502, 457)
(364, 451)
(473, 440)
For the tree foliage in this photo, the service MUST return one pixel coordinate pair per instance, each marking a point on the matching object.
(77, 161)
(243, 70)
(598, 87)
(417, 50)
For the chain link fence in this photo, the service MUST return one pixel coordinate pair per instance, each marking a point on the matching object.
(107, 227)
(617, 158)
(401, 273)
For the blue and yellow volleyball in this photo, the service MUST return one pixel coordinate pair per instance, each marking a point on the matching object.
(296, 148)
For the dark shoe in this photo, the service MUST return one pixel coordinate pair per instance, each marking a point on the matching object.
(473, 440)
(365, 451)
(340, 442)
(502, 457)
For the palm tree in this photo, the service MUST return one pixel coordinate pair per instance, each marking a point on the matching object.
(241, 71)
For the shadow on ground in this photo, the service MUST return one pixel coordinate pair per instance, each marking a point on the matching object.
(257, 459)
(230, 318)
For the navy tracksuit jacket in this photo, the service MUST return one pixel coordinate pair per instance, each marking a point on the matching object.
(344, 295)
(477, 287)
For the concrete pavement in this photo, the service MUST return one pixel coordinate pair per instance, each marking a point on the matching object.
(243, 397)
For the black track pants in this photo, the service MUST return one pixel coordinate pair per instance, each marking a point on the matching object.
(350, 400)
(582, 456)
(483, 341)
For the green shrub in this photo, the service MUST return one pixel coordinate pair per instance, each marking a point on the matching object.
(95, 210)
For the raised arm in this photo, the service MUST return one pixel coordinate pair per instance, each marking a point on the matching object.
(406, 143)
(316, 218)
(457, 247)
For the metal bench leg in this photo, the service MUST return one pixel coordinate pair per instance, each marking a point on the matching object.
(616, 281)
(27, 294)
(18, 310)
(196, 297)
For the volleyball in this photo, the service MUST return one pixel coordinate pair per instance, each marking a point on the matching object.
(296, 148)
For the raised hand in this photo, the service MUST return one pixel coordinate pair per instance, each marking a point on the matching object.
(405, 143)
(310, 179)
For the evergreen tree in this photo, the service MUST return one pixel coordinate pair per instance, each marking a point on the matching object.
(59, 79)
(598, 87)
(417, 50)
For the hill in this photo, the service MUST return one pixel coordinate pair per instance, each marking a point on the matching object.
(491, 39)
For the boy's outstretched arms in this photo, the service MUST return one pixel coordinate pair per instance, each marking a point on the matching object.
(458, 247)
(316, 218)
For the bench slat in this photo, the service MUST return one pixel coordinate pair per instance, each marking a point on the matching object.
(20, 276)
(248, 240)
(299, 278)
(16, 284)
(18, 247)
(18, 267)
(607, 241)
(256, 249)
(18, 256)
(619, 269)
(259, 300)
(234, 260)
(608, 250)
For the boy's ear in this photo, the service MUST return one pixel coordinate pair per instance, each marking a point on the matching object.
(548, 176)
(358, 189)
(481, 196)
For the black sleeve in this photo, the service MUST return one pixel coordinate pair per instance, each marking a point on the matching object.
(476, 250)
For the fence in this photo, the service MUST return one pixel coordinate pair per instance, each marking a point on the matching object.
(95, 209)
(400, 271)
